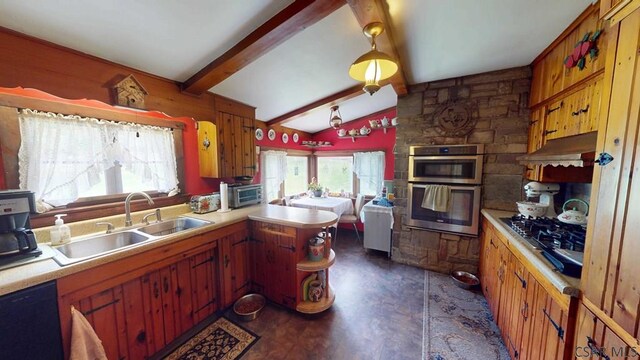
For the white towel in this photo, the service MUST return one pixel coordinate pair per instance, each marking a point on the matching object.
(437, 198)
(85, 344)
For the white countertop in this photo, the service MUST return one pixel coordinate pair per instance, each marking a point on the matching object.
(24, 276)
(565, 284)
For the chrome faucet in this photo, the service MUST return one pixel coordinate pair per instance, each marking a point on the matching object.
(127, 206)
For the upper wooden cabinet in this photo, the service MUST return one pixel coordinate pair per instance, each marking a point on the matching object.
(614, 11)
(550, 75)
(233, 152)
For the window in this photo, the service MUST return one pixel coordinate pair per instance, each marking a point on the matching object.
(297, 179)
(369, 168)
(336, 173)
(65, 157)
(273, 173)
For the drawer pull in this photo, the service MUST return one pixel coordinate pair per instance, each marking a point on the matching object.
(549, 111)
(226, 261)
(525, 311)
(91, 311)
(595, 350)
(555, 325)
(522, 281)
(581, 111)
(210, 259)
(547, 132)
(165, 284)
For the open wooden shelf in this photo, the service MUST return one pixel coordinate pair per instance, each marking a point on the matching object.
(325, 263)
(384, 128)
(352, 137)
(310, 307)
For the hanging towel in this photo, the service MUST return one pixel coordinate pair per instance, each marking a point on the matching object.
(437, 198)
(85, 344)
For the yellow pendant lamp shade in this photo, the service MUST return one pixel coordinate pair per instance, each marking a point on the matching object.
(375, 65)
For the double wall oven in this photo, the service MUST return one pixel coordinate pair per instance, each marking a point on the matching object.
(460, 168)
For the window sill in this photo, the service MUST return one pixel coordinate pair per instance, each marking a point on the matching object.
(102, 210)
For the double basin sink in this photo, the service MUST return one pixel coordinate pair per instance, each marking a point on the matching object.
(101, 244)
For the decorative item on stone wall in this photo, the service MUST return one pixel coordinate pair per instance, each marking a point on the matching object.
(585, 46)
(455, 118)
(130, 93)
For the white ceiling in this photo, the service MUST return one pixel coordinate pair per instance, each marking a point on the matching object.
(436, 39)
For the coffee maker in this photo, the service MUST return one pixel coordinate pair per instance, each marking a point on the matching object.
(17, 241)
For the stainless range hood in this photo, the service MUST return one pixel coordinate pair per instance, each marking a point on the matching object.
(577, 150)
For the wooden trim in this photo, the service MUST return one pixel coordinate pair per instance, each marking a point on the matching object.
(291, 152)
(330, 100)
(102, 210)
(574, 25)
(288, 22)
(279, 128)
(42, 101)
(368, 11)
(588, 80)
(610, 323)
(330, 153)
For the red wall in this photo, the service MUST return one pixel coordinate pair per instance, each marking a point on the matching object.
(377, 140)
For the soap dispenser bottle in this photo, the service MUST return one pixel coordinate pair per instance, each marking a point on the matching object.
(61, 233)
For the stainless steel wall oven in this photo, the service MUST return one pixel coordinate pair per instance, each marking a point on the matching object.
(459, 167)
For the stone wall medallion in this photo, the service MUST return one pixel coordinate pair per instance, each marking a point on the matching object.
(455, 118)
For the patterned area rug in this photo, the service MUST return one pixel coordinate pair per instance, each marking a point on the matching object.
(222, 340)
(458, 323)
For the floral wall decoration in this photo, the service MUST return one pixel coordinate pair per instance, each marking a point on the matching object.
(585, 46)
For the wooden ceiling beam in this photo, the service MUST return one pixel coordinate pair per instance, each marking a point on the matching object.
(330, 100)
(368, 11)
(288, 22)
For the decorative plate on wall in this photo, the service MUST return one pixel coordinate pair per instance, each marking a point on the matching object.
(259, 134)
(271, 134)
(285, 138)
(295, 138)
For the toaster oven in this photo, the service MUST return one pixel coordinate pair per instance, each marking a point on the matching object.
(244, 195)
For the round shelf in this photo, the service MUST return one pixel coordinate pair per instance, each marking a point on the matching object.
(310, 307)
(325, 263)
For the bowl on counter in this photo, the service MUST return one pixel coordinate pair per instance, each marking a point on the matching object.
(528, 208)
(464, 279)
(248, 307)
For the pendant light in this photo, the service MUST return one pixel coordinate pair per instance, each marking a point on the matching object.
(335, 120)
(374, 65)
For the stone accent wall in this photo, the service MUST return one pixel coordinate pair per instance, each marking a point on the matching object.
(502, 99)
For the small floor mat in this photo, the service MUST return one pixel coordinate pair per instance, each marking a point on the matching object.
(222, 340)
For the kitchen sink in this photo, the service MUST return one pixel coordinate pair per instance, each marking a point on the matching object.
(172, 226)
(93, 246)
(97, 245)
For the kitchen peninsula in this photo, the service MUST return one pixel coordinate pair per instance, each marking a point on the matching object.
(168, 285)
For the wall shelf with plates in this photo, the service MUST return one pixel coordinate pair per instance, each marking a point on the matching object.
(352, 137)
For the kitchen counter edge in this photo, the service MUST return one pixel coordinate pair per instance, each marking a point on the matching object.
(565, 284)
(24, 276)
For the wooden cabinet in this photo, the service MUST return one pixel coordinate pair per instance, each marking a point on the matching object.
(615, 11)
(595, 340)
(279, 265)
(236, 145)
(234, 267)
(139, 304)
(610, 280)
(208, 149)
(533, 323)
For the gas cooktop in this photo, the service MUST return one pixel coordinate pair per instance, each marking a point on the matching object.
(561, 244)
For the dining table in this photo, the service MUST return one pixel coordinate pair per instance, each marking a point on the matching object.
(338, 205)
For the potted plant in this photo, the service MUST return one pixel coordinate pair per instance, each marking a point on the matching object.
(315, 187)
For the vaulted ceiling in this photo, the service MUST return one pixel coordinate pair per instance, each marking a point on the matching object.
(290, 58)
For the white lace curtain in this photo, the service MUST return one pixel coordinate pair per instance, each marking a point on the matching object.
(369, 168)
(61, 156)
(273, 172)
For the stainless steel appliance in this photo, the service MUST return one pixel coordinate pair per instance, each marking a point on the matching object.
(17, 241)
(560, 243)
(456, 164)
(243, 195)
(460, 167)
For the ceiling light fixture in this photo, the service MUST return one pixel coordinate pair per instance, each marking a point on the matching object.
(374, 65)
(335, 120)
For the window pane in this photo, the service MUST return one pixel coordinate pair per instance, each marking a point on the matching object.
(336, 173)
(297, 175)
(367, 185)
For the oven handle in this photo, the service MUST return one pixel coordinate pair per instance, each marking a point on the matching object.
(446, 157)
(453, 187)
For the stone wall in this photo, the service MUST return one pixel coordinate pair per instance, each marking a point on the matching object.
(501, 106)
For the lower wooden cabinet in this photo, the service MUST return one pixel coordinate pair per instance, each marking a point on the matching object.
(595, 340)
(533, 324)
(139, 304)
(234, 267)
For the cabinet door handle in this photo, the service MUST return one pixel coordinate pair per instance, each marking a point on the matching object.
(525, 311)
(522, 281)
(595, 350)
(493, 244)
(547, 132)
(558, 328)
(549, 111)
(156, 290)
(580, 111)
(226, 261)
(91, 311)
(165, 284)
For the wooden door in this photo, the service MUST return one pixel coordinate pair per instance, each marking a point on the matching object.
(554, 123)
(208, 149)
(610, 274)
(203, 284)
(591, 118)
(554, 71)
(535, 141)
(258, 260)
(244, 146)
(527, 317)
(594, 339)
(519, 284)
(285, 271)
(226, 144)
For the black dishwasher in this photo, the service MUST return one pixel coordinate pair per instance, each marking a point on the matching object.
(29, 324)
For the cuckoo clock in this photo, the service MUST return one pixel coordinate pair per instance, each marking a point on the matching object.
(130, 93)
